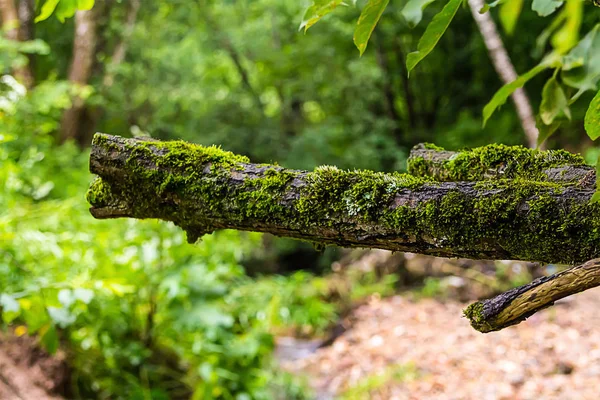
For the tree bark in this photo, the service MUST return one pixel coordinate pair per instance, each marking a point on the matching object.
(516, 305)
(80, 71)
(501, 162)
(202, 189)
(26, 13)
(16, 25)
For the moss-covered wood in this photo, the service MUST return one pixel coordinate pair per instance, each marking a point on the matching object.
(499, 161)
(202, 189)
(515, 305)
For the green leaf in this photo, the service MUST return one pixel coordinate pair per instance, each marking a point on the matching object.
(505, 91)
(542, 40)
(592, 118)
(367, 21)
(568, 35)
(509, 14)
(554, 102)
(49, 338)
(10, 308)
(545, 131)
(63, 9)
(34, 314)
(47, 10)
(433, 33)
(581, 67)
(596, 196)
(413, 11)
(487, 6)
(85, 4)
(318, 10)
(545, 7)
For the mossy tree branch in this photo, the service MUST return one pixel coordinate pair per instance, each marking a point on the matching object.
(516, 305)
(202, 189)
(500, 162)
(511, 203)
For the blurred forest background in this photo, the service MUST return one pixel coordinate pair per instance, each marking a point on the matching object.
(136, 312)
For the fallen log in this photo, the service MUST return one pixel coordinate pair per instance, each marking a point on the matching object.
(202, 189)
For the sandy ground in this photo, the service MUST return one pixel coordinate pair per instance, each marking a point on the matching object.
(553, 355)
(28, 373)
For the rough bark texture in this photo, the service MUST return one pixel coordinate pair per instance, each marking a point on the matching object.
(202, 189)
(516, 305)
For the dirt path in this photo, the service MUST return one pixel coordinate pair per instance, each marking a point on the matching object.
(28, 373)
(400, 349)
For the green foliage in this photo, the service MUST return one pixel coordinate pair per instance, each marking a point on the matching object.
(554, 102)
(545, 7)
(295, 302)
(144, 314)
(13, 54)
(413, 11)
(592, 118)
(581, 67)
(507, 90)
(568, 35)
(596, 197)
(63, 9)
(367, 21)
(318, 10)
(433, 33)
(509, 13)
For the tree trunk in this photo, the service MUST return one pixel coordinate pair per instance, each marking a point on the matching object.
(202, 189)
(26, 12)
(80, 71)
(17, 25)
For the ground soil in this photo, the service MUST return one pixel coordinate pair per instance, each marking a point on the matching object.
(27, 372)
(553, 355)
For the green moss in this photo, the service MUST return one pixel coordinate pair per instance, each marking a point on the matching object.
(474, 313)
(528, 220)
(431, 146)
(417, 166)
(494, 161)
(262, 196)
(525, 219)
(99, 193)
(363, 194)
